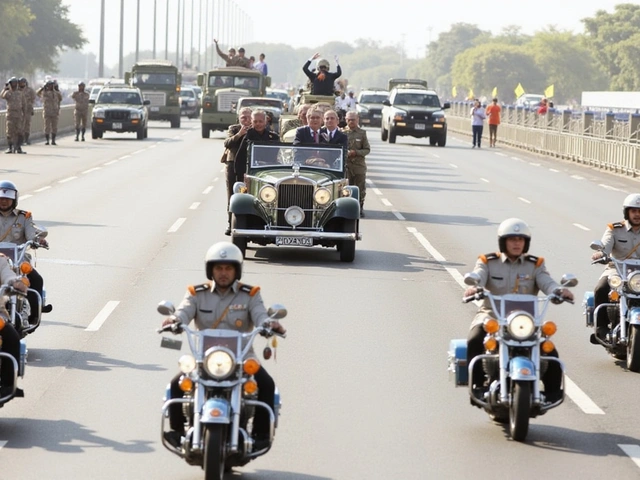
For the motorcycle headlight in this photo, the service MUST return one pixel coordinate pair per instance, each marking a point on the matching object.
(219, 363)
(615, 281)
(521, 326)
(294, 216)
(634, 282)
(187, 363)
(268, 194)
(322, 196)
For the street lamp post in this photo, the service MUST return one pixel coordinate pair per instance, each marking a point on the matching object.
(178, 37)
(121, 52)
(155, 19)
(137, 30)
(101, 54)
(166, 34)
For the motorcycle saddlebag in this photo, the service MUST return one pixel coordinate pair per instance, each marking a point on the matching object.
(589, 304)
(458, 369)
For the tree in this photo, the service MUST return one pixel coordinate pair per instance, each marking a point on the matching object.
(15, 18)
(628, 60)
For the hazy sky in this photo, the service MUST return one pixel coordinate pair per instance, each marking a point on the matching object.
(299, 24)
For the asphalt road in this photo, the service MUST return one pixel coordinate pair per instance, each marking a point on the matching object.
(363, 372)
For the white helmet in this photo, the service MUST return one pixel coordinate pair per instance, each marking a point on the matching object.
(632, 201)
(323, 62)
(513, 227)
(223, 252)
(9, 190)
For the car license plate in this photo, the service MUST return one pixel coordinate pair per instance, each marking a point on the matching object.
(155, 109)
(377, 116)
(295, 241)
(117, 126)
(420, 126)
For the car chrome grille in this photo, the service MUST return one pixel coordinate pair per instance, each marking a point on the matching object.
(157, 99)
(226, 100)
(300, 195)
(421, 116)
(117, 114)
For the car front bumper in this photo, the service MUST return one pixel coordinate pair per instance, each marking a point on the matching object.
(419, 129)
(315, 235)
(116, 126)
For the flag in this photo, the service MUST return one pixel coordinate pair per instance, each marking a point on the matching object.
(494, 92)
(471, 96)
(454, 92)
(519, 91)
(548, 92)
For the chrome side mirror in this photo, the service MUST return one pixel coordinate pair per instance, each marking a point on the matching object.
(472, 279)
(569, 280)
(166, 308)
(277, 311)
(597, 245)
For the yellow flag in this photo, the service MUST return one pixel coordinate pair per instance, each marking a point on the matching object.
(494, 92)
(471, 96)
(519, 91)
(454, 92)
(548, 92)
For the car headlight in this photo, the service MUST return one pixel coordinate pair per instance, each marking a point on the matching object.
(187, 363)
(345, 192)
(361, 109)
(98, 113)
(439, 118)
(399, 115)
(219, 363)
(521, 326)
(134, 115)
(294, 216)
(268, 194)
(614, 281)
(634, 282)
(322, 196)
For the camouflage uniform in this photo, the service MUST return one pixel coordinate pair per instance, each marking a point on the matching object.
(51, 102)
(233, 61)
(29, 99)
(81, 111)
(15, 117)
(356, 166)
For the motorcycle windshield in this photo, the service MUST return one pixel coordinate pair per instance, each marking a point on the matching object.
(525, 303)
(229, 339)
(10, 250)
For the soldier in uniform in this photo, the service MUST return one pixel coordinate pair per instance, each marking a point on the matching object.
(82, 109)
(621, 241)
(29, 99)
(511, 270)
(358, 148)
(17, 226)
(15, 114)
(233, 60)
(51, 98)
(227, 304)
(294, 123)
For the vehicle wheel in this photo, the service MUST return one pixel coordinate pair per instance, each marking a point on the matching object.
(214, 451)
(432, 140)
(100, 134)
(384, 134)
(239, 222)
(206, 130)
(95, 134)
(348, 247)
(442, 140)
(519, 410)
(392, 136)
(633, 348)
(175, 122)
(140, 134)
(146, 132)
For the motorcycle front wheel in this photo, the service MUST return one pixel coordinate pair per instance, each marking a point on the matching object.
(633, 348)
(519, 410)
(215, 438)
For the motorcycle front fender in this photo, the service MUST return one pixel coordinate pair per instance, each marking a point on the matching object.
(216, 410)
(522, 368)
(634, 316)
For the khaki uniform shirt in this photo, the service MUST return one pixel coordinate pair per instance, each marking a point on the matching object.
(232, 142)
(82, 100)
(239, 308)
(18, 227)
(526, 275)
(50, 101)
(234, 61)
(15, 102)
(359, 142)
(621, 243)
(29, 99)
(6, 276)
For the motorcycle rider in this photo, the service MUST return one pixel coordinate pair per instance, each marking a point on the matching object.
(511, 270)
(621, 240)
(17, 226)
(228, 304)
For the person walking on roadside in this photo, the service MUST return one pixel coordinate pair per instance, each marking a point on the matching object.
(478, 116)
(493, 113)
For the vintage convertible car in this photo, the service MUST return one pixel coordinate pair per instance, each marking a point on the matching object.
(296, 196)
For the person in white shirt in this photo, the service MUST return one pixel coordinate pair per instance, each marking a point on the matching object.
(478, 116)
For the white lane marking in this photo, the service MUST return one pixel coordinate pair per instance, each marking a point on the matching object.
(2, 443)
(207, 190)
(91, 170)
(178, 223)
(386, 202)
(194, 205)
(554, 170)
(376, 191)
(216, 179)
(369, 182)
(223, 169)
(523, 200)
(124, 157)
(152, 146)
(437, 256)
(534, 164)
(517, 159)
(434, 155)
(110, 162)
(138, 151)
(43, 189)
(398, 215)
(453, 165)
(633, 451)
(24, 197)
(580, 398)
(609, 187)
(582, 227)
(500, 154)
(97, 322)
(68, 179)
(577, 177)
(62, 261)
(484, 180)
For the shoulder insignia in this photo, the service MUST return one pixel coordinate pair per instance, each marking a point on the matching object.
(489, 256)
(537, 260)
(199, 288)
(24, 212)
(249, 289)
(616, 225)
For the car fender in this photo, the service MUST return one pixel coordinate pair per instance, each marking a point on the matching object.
(634, 316)
(243, 204)
(347, 207)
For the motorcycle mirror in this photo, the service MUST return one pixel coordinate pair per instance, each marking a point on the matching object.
(596, 245)
(277, 311)
(166, 308)
(569, 280)
(472, 279)
(41, 235)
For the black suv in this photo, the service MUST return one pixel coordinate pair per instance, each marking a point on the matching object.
(369, 106)
(416, 111)
(119, 109)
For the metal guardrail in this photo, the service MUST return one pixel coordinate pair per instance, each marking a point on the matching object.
(66, 123)
(611, 144)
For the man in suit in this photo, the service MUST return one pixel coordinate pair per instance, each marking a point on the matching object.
(257, 133)
(330, 133)
(310, 133)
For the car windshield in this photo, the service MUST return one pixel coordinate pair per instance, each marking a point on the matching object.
(129, 98)
(187, 92)
(373, 98)
(222, 81)
(260, 102)
(324, 157)
(280, 95)
(140, 79)
(423, 99)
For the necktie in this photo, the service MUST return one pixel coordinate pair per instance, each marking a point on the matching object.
(315, 136)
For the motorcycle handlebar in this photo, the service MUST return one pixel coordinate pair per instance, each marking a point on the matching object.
(175, 327)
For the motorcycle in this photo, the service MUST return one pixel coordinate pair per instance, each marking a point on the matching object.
(18, 366)
(623, 310)
(513, 362)
(18, 306)
(220, 395)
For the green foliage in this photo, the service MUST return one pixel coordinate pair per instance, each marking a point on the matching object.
(15, 19)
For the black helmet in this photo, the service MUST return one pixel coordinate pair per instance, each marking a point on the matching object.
(223, 252)
(12, 80)
(22, 80)
(81, 83)
(9, 190)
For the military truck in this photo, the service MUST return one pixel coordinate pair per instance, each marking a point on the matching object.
(221, 89)
(159, 81)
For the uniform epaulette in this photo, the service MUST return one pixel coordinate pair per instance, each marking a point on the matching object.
(199, 288)
(24, 212)
(537, 260)
(616, 225)
(489, 256)
(249, 289)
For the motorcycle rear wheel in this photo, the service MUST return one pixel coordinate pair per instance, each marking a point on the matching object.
(215, 438)
(633, 348)
(519, 410)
